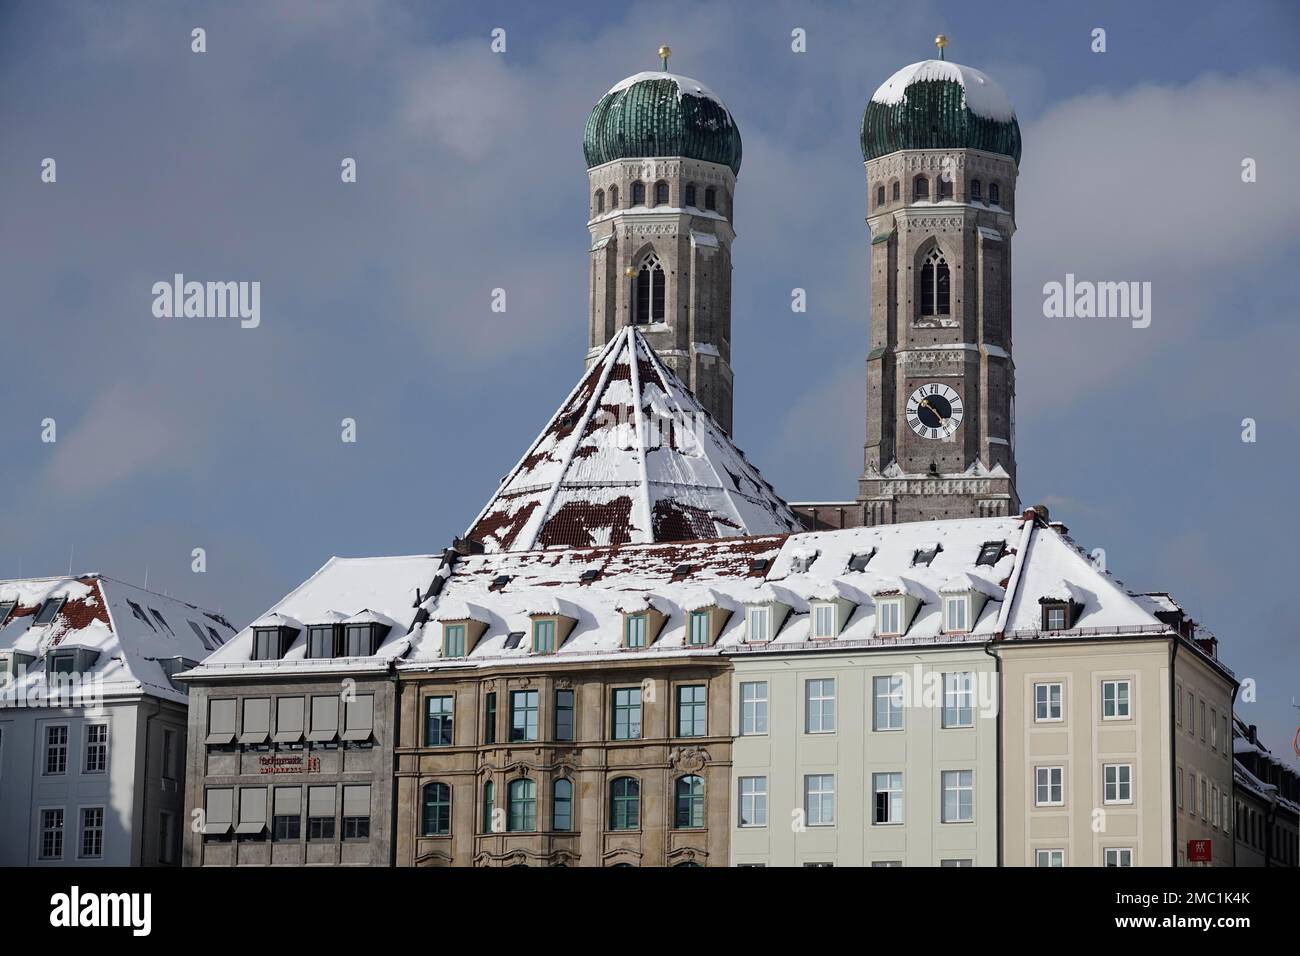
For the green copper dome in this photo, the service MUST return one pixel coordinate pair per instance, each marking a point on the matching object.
(935, 104)
(661, 114)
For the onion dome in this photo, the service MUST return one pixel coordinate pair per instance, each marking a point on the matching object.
(658, 113)
(936, 104)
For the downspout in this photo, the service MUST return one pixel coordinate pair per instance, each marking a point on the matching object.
(1173, 756)
(997, 668)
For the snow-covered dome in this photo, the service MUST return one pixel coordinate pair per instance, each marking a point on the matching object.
(936, 104)
(661, 114)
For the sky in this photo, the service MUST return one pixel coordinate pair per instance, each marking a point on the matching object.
(177, 434)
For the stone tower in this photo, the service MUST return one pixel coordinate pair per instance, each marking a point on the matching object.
(662, 156)
(942, 147)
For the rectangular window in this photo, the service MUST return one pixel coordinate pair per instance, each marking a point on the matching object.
(1049, 858)
(1117, 779)
(819, 799)
(963, 861)
(438, 718)
(356, 812)
(286, 819)
(523, 715)
(360, 639)
(753, 802)
(359, 718)
(1202, 721)
(889, 616)
(958, 796)
(692, 711)
(959, 699)
(252, 813)
(52, 834)
(887, 798)
(92, 833)
(1119, 856)
(1180, 788)
(320, 642)
(634, 632)
(819, 710)
(1054, 617)
(823, 620)
(256, 726)
(753, 708)
(320, 814)
(324, 719)
(888, 692)
(544, 637)
(453, 640)
(290, 720)
(1214, 728)
(56, 750)
(883, 864)
(627, 713)
(1114, 700)
(170, 759)
(1047, 702)
(759, 617)
(1191, 713)
(167, 834)
(96, 748)
(564, 715)
(490, 719)
(699, 630)
(1049, 788)
(221, 722)
(956, 614)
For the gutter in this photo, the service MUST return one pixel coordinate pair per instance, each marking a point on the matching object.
(997, 761)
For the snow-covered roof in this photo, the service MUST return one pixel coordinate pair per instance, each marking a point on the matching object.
(982, 95)
(366, 590)
(631, 457)
(686, 86)
(127, 631)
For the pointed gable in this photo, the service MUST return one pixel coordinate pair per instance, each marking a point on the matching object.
(630, 457)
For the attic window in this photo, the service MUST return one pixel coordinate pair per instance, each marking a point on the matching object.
(759, 565)
(590, 575)
(682, 571)
(991, 553)
(270, 643)
(1057, 615)
(759, 625)
(634, 631)
(322, 641)
(544, 636)
(5, 608)
(513, 639)
(956, 613)
(138, 611)
(65, 663)
(824, 621)
(801, 563)
(361, 640)
(453, 640)
(889, 617)
(203, 638)
(161, 620)
(923, 557)
(860, 561)
(48, 610)
(216, 638)
(699, 629)
(499, 582)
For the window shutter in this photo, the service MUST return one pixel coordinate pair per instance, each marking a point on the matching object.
(320, 802)
(356, 800)
(220, 806)
(288, 719)
(252, 810)
(324, 718)
(288, 801)
(359, 718)
(221, 721)
(257, 720)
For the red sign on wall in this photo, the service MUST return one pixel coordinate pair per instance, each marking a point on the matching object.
(1198, 851)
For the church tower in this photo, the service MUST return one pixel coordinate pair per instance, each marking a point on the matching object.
(662, 157)
(941, 146)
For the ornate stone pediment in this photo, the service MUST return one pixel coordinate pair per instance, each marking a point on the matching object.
(688, 759)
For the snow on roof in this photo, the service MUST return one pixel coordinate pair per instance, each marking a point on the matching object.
(1157, 602)
(966, 581)
(630, 457)
(277, 620)
(126, 629)
(685, 85)
(458, 610)
(368, 590)
(982, 95)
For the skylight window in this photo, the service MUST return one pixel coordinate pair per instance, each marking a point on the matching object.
(5, 608)
(590, 575)
(203, 638)
(759, 565)
(163, 621)
(860, 561)
(48, 610)
(216, 638)
(138, 612)
(923, 556)
(991, 553)
(499, 582)
(802, 563)
(513, 639)
(682, 571)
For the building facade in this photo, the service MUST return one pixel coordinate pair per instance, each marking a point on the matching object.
(1266, 815)
(92, 722)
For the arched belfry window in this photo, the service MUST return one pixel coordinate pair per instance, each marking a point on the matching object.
(710, 198)
(661, 193)
(945, 187)
(648, 292)
(613, 197)
(895, 190)
(880, 196)
(600, 200)
(975, 190)
(934, 284)
(638, 194)
(690, 194)
(920, 188)
(994, 198)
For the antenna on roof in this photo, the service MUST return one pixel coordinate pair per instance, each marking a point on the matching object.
(664, 54)
(72, 549)
(941, 41)
(146, 577)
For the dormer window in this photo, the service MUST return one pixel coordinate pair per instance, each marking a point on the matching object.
(5, 608)
(544, 636)
(760, 624)
(1056, 616)
(453, 640)
(991, 553)
(361, 640)
(270, 643)
(824, 621)
(922, 557)
(860, 560)
(634, 630)
(889, 617)
(956, 613)
(48, 610)
(322, 641)
(802, 562)
(64, 663)
(699, 628)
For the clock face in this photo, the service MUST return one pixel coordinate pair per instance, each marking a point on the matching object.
(934, 411)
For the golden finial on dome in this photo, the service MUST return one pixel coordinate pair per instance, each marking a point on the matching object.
(941, 41)
(664, 53)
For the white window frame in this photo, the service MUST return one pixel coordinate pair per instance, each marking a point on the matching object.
(894, 694)
(889, 617)
(1120, 784)
(1045, 716)
(757, 800)
(40, 833)
(820, 698)
(958, 788)
(954, 622)
(85, 746)
(808, 793)
(1118, 682)
(889, 782)
(81, 830)
(960, 688)
(1053, 780)
(1049, 855)
(758, 624)
(1123, 856)
(753, 707)
(826, 614)
(45, 751)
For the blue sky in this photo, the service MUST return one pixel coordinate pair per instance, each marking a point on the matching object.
(180, 434)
